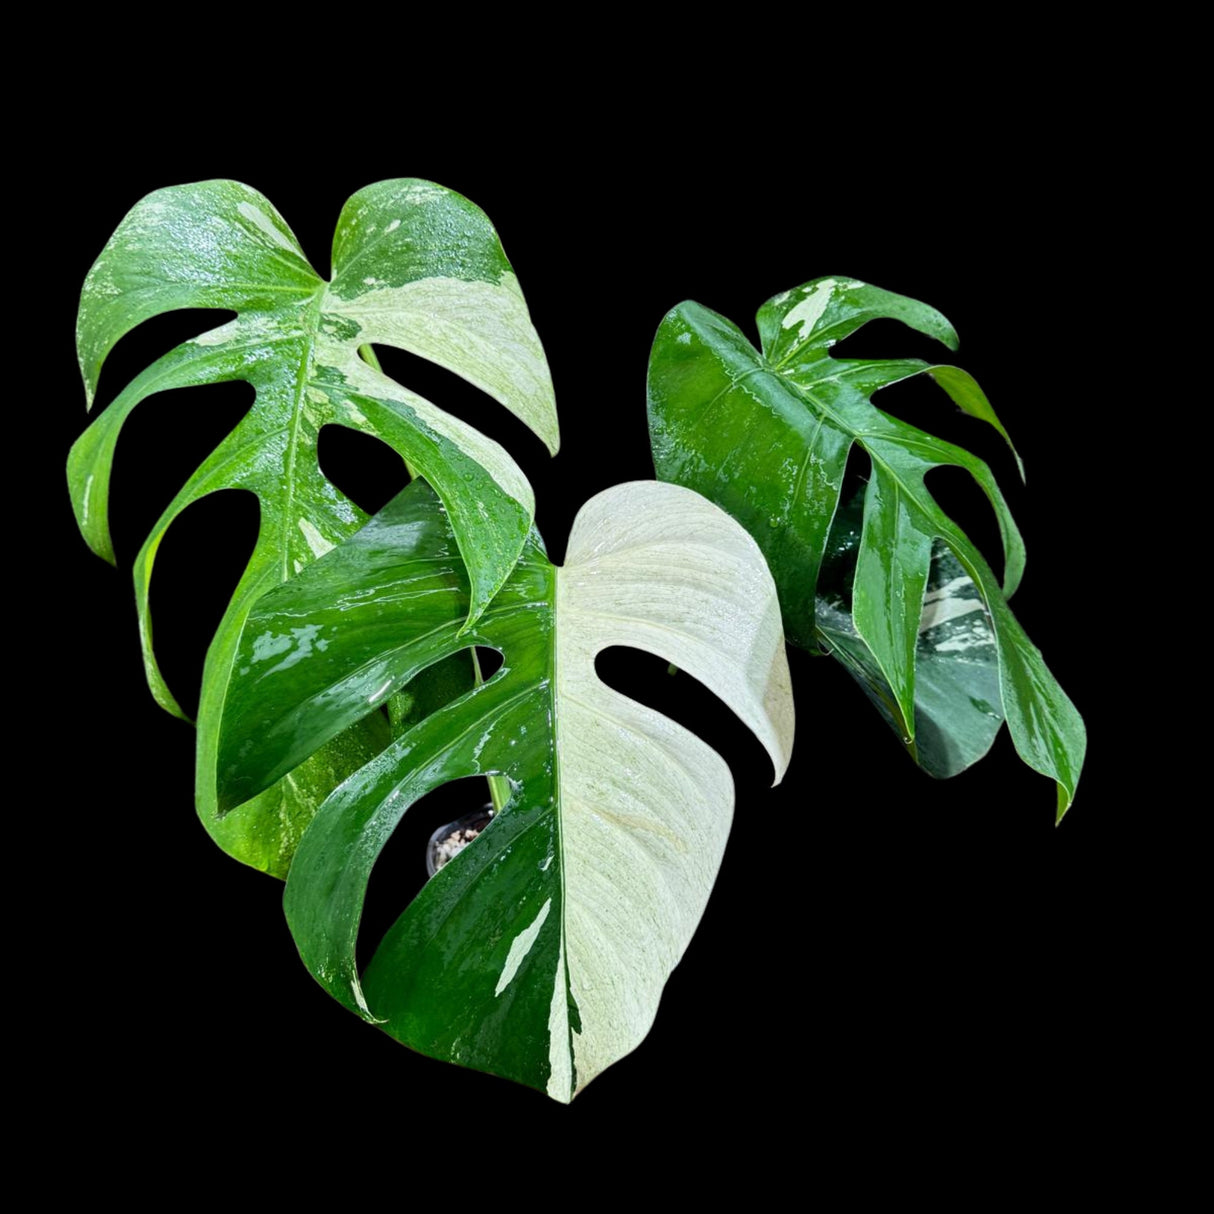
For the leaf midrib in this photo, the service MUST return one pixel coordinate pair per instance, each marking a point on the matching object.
(899, 485)
(553, 687)
(856, 436)
(303, 376)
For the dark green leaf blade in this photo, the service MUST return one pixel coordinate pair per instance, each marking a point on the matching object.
(337, 641)
(891, 574)
(708, 381)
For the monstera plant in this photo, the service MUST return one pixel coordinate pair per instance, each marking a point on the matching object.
(541, 952)
(345, 679)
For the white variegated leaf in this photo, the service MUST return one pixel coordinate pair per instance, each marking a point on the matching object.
(415, 266)
(539, 952)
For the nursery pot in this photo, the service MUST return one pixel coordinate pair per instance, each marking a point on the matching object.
(449, 840)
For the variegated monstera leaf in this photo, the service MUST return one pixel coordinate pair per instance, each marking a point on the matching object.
(958, 710)
(540, 951)
(414, 266)
(766, 435)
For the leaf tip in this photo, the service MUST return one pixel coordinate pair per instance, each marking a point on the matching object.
(225, 801)
(474, 614)
(1065, 798)
(160, 689)
(780, 768)
(96, 534)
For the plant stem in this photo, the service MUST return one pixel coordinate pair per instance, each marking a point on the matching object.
(499, 786)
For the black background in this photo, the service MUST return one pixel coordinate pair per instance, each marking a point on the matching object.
(873, 934)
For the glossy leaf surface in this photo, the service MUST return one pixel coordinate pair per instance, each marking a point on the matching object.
(540, 951)
(767, 436)
(414, 266)
(957, 713)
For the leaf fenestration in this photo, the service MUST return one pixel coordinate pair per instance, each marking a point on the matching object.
(766, 435)
(540, 951)
(415, 266)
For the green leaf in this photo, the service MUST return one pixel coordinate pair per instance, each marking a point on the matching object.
(414, 266)
(767, 436)
(541, 950)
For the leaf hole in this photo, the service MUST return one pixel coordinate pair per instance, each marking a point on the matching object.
(919, 400)
(489, 661)
(457, 396)
(148, 341)
(362, 466)
(199, 562)
(400, 870)
(887, 338)
(648, 680)
(838, 569)
(961, 498)
(162, 444)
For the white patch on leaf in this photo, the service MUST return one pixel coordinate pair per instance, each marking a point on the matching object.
(809, 311)
(973, 638)
(269, 645)
(297, 644)
(420, 191)
(658, 568)
(560, 1072)
(480, 330)
(316, 542)
(945, 603)
(262, 221)
(217, 337)
(356, 989)
(520, 947)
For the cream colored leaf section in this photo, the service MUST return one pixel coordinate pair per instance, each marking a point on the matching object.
(520, 947)
(645, 805)
(480, 330)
